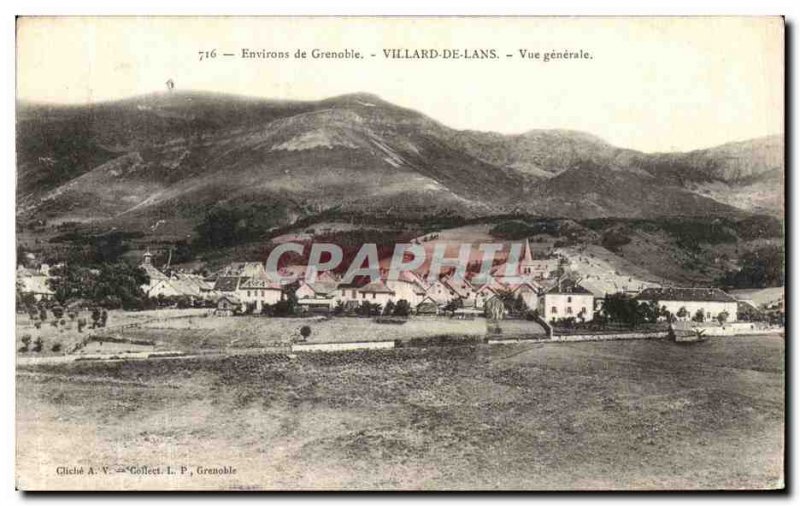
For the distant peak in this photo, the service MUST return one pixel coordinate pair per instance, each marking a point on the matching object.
(564, 133)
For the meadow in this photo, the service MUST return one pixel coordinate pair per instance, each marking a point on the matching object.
(554, 416)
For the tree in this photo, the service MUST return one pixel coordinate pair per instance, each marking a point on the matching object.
(103, 318)
(650, 311)
(26, 342)
(388, 309)
(624, 309)
(519, 306)
(95, 317)
(338, 309)
(682, 313)
(452, 305)
(699, 316)
(723, 317)
(42, 313)
(58, 311)
(24, 299)
(305, 331)
(402, 308)
(367, 309)
(37, 345)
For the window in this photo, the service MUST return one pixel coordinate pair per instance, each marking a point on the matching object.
(553, 310)
(248, 293)
(354, 294)
(569, 310)
(569, 299)
(363, 295)
(374, 295)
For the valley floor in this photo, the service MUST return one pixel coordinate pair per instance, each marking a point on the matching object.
(599, 415)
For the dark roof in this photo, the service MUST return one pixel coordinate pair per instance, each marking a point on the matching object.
(687, 294)
(569, 288)
(226, 283)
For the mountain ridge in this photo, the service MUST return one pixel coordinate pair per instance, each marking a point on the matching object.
(135, 162)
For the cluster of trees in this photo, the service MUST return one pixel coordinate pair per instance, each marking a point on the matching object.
(625, 310)
(761, 268)
(111, 285)
(401, 308)
(59, 317)
(38, 344)
(228, 225)
(515, 229)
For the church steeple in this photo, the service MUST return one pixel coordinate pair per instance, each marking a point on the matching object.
(527, 257)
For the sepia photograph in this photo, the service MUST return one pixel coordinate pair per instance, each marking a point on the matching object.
(298, 253)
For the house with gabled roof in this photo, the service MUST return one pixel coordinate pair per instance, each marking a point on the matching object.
(487, 291)
(567, 300)
(427, 306)
(376, 292)
(440, 292)
(408, 286)
(528, 290)
(259, 291)
(318, 289)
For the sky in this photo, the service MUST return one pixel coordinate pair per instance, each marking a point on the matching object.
(651, 84)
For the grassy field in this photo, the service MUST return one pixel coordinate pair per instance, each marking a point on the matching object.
(191, 334)
(601, 415)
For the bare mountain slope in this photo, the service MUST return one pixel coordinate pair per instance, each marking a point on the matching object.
(164, 160)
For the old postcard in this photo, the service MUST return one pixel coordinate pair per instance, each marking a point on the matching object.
(387, 253)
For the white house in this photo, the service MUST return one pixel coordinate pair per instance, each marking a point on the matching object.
(440, 292)
(156, 276)
(259, 291)
(376, 292)
(486, 292)
(688, 302)
(408, 286)
(461, 287)
(320, 289)
(528, 291)
(567, 300)
(35, 282)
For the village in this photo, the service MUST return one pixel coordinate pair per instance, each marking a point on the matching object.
(549, 296)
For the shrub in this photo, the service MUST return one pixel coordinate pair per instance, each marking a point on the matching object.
(305, 331)
(38, 344)
(56, 347)
(26, 342)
